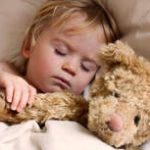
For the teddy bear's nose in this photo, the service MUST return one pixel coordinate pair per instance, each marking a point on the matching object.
(115, 123)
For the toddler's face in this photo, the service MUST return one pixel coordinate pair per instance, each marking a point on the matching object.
(61, 59)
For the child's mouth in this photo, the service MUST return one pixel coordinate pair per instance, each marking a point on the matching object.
(63, 83)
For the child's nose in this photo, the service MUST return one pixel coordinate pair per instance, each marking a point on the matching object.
(70, 67)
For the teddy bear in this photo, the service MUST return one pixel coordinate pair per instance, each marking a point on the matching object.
(117, 109)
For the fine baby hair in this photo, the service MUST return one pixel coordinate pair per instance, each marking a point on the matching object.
(59, 49)
(57, 12)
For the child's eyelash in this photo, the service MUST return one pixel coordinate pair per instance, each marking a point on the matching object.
(59, 52)
(89, 67)
(85, 68)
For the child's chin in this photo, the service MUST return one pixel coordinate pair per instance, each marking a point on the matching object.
(52, 89)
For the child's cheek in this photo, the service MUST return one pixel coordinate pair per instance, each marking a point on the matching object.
(80, 87)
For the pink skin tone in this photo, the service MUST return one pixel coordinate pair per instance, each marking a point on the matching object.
(60, 59)
(18, 91)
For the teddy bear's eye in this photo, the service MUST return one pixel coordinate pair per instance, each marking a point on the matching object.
(115, 94)
(137, 120)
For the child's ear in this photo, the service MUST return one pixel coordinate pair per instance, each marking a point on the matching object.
(26, 46)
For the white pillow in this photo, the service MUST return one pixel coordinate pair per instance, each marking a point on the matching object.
(133, 19)
(15, 17)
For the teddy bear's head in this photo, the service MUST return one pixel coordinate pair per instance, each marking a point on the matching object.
(119, 111)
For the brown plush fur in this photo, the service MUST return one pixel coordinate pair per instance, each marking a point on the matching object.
(59, 105)
(122, 86)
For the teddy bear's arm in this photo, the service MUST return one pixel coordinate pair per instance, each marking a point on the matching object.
(59, 105)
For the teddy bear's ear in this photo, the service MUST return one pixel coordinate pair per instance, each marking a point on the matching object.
(117, 53)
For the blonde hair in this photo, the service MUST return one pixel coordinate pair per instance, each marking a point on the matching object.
(57, 12)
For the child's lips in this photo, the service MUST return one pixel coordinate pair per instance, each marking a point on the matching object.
(65, 84)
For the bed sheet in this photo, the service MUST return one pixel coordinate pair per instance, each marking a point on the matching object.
(57, 135)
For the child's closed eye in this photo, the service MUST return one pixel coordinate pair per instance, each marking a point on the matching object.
(88, 66)
(60, 52)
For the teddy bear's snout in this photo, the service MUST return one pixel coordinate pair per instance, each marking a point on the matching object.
(115, 123)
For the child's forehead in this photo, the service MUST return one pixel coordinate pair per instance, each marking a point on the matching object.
(75, 23)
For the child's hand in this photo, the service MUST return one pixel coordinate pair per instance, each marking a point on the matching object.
(18, 91)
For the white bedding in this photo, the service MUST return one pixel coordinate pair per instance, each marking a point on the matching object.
(57, 135)
(63, 135)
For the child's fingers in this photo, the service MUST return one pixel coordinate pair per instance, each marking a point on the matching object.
(28, 94)
(32, 93)
(23, 100)
(16, 98)
(9, 92)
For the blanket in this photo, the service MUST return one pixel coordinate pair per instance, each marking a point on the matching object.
(56, 135)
